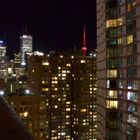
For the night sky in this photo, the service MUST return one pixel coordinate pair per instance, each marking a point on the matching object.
(54, 24)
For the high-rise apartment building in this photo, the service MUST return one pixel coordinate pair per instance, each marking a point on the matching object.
(25, 47)
(69, 85)
(11, 125)
(118, 69)
(31, 110)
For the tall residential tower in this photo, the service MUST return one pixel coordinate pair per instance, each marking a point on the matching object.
(69, 84)
(118, 67)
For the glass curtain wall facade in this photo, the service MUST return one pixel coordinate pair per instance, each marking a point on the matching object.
(25, 47)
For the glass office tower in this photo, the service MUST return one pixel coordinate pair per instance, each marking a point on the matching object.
(25, 47)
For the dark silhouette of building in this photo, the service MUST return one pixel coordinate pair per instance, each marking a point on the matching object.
(11, 128)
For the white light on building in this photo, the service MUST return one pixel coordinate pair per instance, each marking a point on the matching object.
(25, 47)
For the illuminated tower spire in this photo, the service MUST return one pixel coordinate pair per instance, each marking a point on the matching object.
(84, 48)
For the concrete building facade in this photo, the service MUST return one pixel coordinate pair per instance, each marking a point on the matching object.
(118, 50)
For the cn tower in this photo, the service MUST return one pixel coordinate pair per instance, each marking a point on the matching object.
(84, 48)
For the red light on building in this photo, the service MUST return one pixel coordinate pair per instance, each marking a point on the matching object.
(84, 48)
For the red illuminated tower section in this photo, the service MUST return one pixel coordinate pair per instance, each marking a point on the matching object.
(84, 48)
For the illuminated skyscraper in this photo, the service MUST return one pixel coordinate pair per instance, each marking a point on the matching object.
(118, 67)
(25, 47)
(2, 49)
(69, 85)
(3, 62)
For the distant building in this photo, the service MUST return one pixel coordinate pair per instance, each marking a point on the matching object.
(2, 49)
(69, 84)
(3, 65)
(25, 47)
(16, 65)
(17, 75)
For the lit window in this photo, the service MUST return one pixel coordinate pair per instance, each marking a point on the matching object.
(132, 119)
(9, 70)
(120, 21)
(134, 3)
(54, 82)
(67, 103)
(112, 104)
(45, 89)
(111, 23)
(55, 106)
(129, 39)
(114, 22)
(132, 96)
(68, 71)
(24, 114)
(83, 61)
(130, 6)
(67, 116)
(55, 89)
(68, 65)
(45, 63)
(83, 110)
(63, 133)
(112, 94)
(54, 131)
(68, 109)
(112, 73)
(64, 75)
(54, 78)
(63, 71)
(119, 41)
(84, 123)
(94, 89)
(63, 78)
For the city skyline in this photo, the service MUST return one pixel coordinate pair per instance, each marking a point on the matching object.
(59, 84)
(53, 25)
